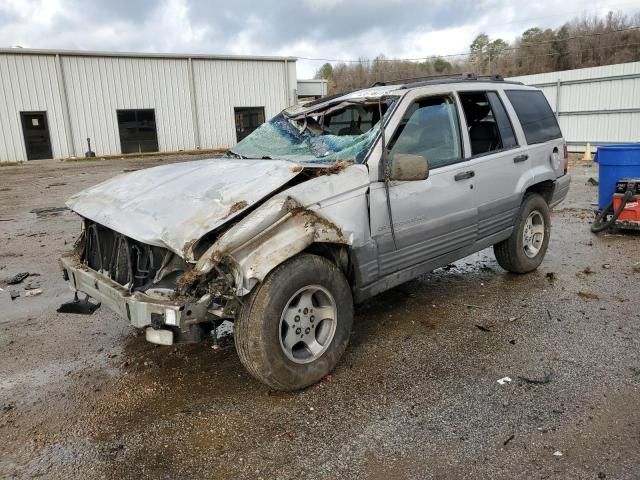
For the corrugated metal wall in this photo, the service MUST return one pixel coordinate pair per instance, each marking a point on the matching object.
(97, 87)
(312, 88)
(190, 111)
(223, 85)
(596, 105)
(29, 83)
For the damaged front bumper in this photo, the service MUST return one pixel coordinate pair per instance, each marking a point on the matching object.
(166, 321)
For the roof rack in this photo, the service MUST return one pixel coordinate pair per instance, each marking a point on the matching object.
(435, 78)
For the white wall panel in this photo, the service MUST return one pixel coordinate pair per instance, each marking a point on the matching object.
(602, 107)
(29, 83)
(97, 87)
(223, 85)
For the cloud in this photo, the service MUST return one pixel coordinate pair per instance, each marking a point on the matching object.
(310, 28)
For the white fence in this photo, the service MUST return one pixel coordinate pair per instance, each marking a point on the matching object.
(599, 105)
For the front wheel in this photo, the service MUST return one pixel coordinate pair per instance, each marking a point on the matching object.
(295, 326)
(524, 250)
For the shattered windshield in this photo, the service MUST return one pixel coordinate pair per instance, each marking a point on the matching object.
(340, 132)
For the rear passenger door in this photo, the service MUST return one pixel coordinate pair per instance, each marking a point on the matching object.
(541, 133)
(501, 164)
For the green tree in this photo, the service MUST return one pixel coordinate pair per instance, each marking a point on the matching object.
(478, 48)
(440, 65)
(485, 52)
(325, 72)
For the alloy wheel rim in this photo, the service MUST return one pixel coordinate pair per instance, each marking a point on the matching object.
(308, 324)
(533, 234)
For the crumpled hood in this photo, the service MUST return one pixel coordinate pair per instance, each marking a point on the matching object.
(173, 205)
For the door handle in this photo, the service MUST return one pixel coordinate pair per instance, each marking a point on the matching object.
(520, 158)
(464, 175)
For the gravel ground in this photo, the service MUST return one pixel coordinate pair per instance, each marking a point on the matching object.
(416, 395)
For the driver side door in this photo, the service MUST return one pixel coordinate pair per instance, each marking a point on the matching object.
(435, 220)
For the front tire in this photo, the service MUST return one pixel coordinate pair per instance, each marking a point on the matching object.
(525, 249)
(295, 326)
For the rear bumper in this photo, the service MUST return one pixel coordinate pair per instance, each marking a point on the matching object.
(139, 309)
(560, 189)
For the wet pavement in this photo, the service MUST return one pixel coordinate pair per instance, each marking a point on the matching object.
(416, 395)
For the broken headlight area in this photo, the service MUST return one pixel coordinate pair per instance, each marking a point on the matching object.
(157, 272)
(132, 264)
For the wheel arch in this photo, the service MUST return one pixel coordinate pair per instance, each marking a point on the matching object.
(544, 189)
(252, 256)
(339, 254)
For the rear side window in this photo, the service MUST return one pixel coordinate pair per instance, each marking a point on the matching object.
(502, 119)
(536, 117)
(487, 122)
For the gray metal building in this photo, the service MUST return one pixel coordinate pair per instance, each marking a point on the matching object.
(132, 102)
(595, 105)
(312, 89)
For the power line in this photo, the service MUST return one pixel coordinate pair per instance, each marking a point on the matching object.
(390, 74)
(520, 45)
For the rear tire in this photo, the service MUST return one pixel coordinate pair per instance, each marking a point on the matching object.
(278, 339)
(525, 249)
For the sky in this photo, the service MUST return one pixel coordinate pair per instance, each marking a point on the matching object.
(318, 29)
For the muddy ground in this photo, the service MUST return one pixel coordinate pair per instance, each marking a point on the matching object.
(416, 395)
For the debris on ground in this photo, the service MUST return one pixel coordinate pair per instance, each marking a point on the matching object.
(588, 271)
(606, 266)
(49, 210)
(483, 328)
(551, 276)
(17, 278)
(504, 380)
(33, 292)
(327, 378)
(57, 184)
(508, 440)
(588, 295)
(592, 181)
(557, 453)
(538, 381)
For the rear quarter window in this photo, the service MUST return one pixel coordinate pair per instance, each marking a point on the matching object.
(535, 115)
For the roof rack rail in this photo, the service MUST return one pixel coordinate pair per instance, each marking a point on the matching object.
(433, 78)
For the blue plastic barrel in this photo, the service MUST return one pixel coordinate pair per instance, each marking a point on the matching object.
(615, 162)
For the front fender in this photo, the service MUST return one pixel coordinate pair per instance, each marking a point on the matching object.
(255, 246)
(330, 208)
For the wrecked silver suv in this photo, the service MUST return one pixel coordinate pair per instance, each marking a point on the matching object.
(325, 205)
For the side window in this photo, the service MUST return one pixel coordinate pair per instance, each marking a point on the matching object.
(429, 128)
(487, 121)
(536, 117)
(353, 120)
(502, 119)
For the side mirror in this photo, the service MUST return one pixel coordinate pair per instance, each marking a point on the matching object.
(407, 167)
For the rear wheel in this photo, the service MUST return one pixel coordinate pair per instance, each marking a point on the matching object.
(295, 325)
(525, 249)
